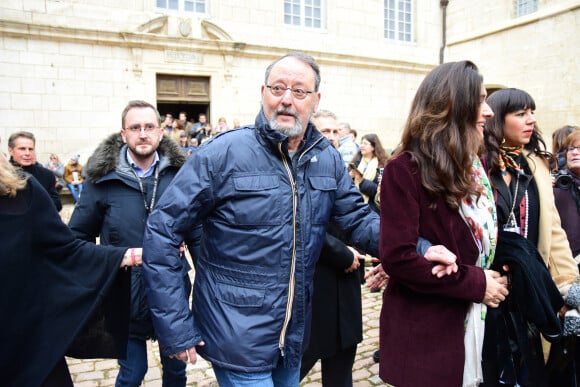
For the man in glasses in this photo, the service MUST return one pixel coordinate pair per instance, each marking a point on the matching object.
(126, 176)
(265, 196)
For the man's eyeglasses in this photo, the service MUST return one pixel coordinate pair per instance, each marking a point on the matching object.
(148, 128)
(573, 148)
(279, 90)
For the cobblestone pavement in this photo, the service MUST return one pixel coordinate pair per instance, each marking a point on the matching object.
(102, 372)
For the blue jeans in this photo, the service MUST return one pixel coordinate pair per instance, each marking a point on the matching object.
(278, 377)
(75, 190)
(134, 367)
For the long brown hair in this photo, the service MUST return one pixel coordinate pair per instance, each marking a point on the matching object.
(440, 132)
(380, 153)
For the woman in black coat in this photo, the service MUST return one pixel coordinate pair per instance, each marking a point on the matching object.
(51, 284)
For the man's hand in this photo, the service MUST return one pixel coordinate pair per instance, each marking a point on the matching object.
(377, 277)
(356, 261)
(444, 257)
(189, 355)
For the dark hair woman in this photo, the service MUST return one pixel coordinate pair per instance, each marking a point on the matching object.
(436, 188)
(519, 171)
(364, 167)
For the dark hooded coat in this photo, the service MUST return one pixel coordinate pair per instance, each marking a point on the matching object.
(51, 283)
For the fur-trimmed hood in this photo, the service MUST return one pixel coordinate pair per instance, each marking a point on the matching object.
(107, 157)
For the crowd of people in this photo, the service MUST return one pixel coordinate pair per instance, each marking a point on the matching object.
(473, 225)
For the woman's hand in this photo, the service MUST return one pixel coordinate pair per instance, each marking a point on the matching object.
(356, 175)
(496, 288)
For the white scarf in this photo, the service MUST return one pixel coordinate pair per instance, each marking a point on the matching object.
(481, 218)
(368, 169)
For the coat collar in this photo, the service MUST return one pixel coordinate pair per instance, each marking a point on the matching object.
(312, 137)
(110, 156)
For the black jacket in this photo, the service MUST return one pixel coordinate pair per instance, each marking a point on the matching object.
(533, 292)
(512, 350)
(46, 179)
(336, 302)
(112, 208)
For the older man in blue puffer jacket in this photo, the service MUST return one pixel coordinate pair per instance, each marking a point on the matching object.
(265, 195)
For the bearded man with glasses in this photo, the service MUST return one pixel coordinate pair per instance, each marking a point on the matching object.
(265, 195)
(126, 176)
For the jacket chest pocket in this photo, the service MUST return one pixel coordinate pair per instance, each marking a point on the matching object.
(256, 200)
(322, 193)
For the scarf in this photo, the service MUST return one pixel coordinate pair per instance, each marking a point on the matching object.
(508, 156)
(368, 169)
(481, 217)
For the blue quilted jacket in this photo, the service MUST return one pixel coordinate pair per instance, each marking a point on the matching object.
(264, 217)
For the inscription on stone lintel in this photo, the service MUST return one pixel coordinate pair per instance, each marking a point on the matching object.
(183, 57)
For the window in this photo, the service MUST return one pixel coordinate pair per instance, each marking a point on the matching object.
(398, 20)
(304, 13)
(525, 7)
(194, 6)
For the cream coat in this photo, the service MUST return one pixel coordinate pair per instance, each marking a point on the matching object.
(552, 243)
(552, 240)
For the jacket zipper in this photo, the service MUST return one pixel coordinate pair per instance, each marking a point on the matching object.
(292, 280)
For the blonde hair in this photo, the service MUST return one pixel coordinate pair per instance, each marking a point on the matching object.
(10, 180)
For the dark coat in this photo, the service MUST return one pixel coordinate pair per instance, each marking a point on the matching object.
(46, 179)
(533, 298)
(51, 283)
(422, 318)
(112, 208)
(567, 200)
(264, 218)
(336, 303)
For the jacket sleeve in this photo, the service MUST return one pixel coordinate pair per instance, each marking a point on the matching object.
(55, 196)
(553, 243)
(335, 254)
(87, 218)
(177, 213)
(404, 213)
(358, 222)
(369, 188)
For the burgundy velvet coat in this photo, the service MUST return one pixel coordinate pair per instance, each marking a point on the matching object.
(422, 318)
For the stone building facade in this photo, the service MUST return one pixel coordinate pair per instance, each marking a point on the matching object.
(70, 66)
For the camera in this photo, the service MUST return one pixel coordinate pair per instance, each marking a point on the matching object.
(563, 179)
(380, 174)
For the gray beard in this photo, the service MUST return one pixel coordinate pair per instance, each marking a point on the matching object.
(291, 132)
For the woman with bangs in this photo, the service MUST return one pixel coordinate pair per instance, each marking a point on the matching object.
(519, 171)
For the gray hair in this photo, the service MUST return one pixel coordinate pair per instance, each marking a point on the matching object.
(345, 125)
(323, 113)
(302, 57)
(21, 134)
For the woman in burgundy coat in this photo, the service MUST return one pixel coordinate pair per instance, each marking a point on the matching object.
(431, 328)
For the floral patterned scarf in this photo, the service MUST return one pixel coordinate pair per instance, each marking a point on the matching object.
(481, 217)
